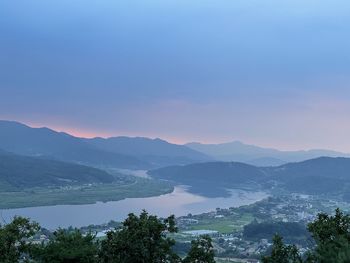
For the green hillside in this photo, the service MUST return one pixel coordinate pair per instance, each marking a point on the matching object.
(211, 179)
(27, 181)
(20, 172)
(324, 175)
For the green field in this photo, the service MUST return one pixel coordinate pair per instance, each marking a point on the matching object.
(220, 260)
(86, 194)
(224, 225)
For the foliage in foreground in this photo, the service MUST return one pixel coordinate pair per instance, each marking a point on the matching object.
(201, 251)
(12, 239)
(141, 239)
(282, 253)
(332, 242)
(68, 247)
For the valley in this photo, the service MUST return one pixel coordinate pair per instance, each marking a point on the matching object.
(244, 233)
(174, 131)
(28, 182)
(93, 184)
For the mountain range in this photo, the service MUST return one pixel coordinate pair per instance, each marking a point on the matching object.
(41, 156)
(259, 156)
(139, 153)
(157, 152)
(118, 152)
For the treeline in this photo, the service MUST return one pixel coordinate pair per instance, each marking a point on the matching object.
(145, 239)
(291, 231)
(140, 239)
(331, 242)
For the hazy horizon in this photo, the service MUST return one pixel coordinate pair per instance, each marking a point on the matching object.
(85, 136)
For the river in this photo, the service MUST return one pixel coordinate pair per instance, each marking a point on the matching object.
(179, 202)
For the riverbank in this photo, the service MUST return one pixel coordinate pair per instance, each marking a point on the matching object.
(84, 194)
(179, 202)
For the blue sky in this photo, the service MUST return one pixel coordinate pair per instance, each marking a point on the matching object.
(274, 73)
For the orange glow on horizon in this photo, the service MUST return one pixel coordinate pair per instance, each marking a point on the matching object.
(81, 133)
(71, 131)
(84, 133)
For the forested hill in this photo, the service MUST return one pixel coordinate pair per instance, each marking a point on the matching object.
(24, 140)
(212, 172)
(316, 176)
(211, 179)
(20, 172)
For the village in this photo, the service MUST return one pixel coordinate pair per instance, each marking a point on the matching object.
(228, 227)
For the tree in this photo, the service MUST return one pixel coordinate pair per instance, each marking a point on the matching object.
(332, 242)
(282, 253)
(332, 237)
(140, 240)
(68, 247)
(201, 251)
(14, 237)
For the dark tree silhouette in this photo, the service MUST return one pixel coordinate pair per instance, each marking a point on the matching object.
(141, 239)
(13, 240)
(201, 251)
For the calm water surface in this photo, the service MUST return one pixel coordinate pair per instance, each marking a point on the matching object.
(180, 202)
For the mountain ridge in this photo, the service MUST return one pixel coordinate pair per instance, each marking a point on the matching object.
(47, 143)
(115, 152)
(315, 176)
(155, 151)
(241, 152)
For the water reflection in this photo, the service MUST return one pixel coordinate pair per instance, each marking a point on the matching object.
(180, 202)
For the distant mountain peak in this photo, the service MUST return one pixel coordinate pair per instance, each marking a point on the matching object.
(157, 151)
(24, 140)
(119, 152)
(239, 151)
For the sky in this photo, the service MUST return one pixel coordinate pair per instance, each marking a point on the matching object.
(267, 72)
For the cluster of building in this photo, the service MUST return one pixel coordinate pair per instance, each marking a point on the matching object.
(289, 208)
(233, 245)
